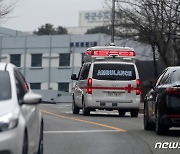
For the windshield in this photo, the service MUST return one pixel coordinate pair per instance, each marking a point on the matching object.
(5, 87)
(114, 72)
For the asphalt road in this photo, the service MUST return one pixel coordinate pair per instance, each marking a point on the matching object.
(101, 133)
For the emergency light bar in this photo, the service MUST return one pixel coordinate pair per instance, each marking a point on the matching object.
(122, 53)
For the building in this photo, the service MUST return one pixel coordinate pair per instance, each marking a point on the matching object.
(47, 62)
(89, 20)
(9, 32)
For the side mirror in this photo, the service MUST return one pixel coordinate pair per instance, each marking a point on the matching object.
(148, 84)
(73, 77)
(32, 98)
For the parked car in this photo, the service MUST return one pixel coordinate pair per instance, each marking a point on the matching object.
(162, 102)
(21, 123)
(108, 80)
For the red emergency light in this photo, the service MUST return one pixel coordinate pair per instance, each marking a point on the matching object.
(123, 53)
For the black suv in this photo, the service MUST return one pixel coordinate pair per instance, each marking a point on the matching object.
(162, 102)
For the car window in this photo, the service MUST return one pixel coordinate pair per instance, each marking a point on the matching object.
(165, 78)
(159, 80)
(85, 71)
(176, 75)
(21, 85)
(5, 86)
(114, 72)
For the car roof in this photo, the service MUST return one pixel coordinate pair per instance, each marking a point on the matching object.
(6, 66)
(172, 68)
(110, 48)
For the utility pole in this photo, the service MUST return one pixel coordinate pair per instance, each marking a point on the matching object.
(112, 20)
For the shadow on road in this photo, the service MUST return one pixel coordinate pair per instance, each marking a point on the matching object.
(173, 133)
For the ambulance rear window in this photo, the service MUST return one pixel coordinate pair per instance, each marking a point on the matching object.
(114, 72)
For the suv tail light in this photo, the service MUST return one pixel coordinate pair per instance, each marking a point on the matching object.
(89, 86)
(173, 91)
(138, 90)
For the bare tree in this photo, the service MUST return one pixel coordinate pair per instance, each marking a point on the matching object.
(156, 22)
(6, 7)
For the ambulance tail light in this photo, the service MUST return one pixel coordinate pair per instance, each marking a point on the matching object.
(138, 90)
(89, 86)
(126, 53)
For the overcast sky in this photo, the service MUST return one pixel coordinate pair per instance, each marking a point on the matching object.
(28, 15)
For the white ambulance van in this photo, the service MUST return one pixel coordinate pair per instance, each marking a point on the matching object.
(108, 80)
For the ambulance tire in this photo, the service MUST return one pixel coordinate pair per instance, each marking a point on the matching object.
(122, 112)
(134, 112)
(85, 110)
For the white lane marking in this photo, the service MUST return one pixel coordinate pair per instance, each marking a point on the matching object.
(103, 113)
(79, 131)
(97, 112)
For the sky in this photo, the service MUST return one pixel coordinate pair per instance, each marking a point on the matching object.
(28, 15)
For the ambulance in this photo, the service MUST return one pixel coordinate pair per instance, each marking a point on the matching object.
(108, 80)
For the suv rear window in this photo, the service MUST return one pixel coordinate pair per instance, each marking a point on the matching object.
(176, 75)
(114, 72)
(5, 87)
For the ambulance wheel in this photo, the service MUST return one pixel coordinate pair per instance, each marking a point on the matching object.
(85, 110)
(122, 112)
(134, 112)
(75, 109)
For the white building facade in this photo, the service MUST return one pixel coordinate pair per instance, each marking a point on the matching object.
(47, 62)
(89, 20)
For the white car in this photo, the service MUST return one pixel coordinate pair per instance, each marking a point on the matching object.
(107, 80)
(21, 123)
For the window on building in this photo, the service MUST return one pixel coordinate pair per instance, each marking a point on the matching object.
(95, 44)
(35, 85)
(63, 86)
(15, 59)
(82, 44)
(36, 60)
(64, 59)
(71, 44)
(87, 44)
(77, 44)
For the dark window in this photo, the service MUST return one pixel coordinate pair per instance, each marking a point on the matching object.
(114, 72)
(35, 85)
(5, 86)
(82, 44)
(85, 72)
(64, 59)
(87, 44)
(77, 44)
(15, 59)
(176, 75)
(92, 44)
(71, 44)
(95, 44)
(21, 86)
(36, 60)
(64, 86)
(166, 78)
(160, 79)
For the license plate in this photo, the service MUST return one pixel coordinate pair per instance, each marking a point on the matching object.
(114, 94)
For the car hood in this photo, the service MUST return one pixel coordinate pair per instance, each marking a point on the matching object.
(7, 106)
